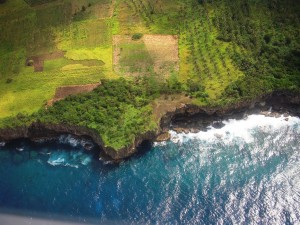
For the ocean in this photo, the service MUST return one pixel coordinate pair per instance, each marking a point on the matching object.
(246, 172)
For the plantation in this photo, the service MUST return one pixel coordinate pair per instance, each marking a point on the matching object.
(217, 52)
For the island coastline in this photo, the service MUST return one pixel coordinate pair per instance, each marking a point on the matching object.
(186, 118)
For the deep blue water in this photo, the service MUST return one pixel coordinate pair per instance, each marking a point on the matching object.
(245, 173)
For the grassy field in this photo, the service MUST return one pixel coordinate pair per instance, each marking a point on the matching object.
(218, 52)
(149, 54)
(34, 31)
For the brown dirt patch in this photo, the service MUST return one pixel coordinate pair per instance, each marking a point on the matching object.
(117, 40)
(65, 91)
(103, 10)
(163, 50)
(38, 60)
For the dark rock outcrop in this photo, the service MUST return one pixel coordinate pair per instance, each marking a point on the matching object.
(39, 130)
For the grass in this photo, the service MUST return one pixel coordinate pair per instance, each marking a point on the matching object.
(203, 57)
(230, 49)
(30, 91)
(135, 57)
(88, 34)
(48, 28)
(128, 19)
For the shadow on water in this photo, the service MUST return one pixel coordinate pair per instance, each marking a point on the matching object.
(143, 149)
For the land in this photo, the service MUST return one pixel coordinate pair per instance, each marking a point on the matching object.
(155, 59)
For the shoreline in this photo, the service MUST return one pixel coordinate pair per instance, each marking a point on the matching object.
(193, 119)
(187, 118)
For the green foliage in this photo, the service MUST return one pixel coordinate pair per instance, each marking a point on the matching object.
(137, 36)
(9, 80)
(267, 43)
(38, 2)
(119, 110)
(135, 57)
(37, 31)
(229, 51)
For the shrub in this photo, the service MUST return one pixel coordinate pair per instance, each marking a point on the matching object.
(9, 80)
(137, 36)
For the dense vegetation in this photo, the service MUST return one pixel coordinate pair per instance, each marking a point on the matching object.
(228, 51)
(248, 48)
(267, 35)
(118, 110)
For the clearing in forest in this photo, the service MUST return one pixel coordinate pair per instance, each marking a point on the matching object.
(65, 91)
(149, 54)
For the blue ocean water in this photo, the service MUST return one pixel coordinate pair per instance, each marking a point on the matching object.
(244, 173)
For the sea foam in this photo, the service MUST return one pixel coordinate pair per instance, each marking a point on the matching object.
(242, 129)
(69, 158)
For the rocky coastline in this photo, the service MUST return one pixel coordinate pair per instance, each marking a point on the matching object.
(186, 118)
(192, 118)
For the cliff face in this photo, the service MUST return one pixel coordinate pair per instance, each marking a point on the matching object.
(43, 131)
(186, 116)
(193, 118)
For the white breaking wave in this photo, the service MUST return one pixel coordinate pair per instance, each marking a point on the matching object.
(69, 139)
(75, 141)
(69, 158)
(242, 129)
(161, 143)
(85, 161)
(57, 161)
(2, 144)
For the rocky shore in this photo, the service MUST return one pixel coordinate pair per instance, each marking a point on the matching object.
(193, 119)
(186, 118)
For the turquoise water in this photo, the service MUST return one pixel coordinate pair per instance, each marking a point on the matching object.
(244, 173)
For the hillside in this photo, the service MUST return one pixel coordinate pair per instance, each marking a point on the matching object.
(216, 52)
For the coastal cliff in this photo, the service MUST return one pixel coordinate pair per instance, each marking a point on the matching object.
(37, 131)
(183, 118)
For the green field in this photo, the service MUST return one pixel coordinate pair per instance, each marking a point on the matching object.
(228, 51)
(46, 27)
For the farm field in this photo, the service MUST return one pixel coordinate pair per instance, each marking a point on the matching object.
(149, 54)
(216, 52)
(47, 44)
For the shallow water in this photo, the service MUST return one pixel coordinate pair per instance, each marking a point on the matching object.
(244, 173)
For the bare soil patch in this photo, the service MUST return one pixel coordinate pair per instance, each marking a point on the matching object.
(38, 60)
(162, 49)
(65, 91)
